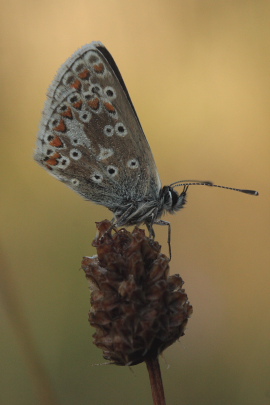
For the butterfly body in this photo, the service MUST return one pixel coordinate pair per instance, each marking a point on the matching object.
(149, 211)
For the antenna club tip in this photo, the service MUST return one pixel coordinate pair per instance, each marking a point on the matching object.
(250, 192)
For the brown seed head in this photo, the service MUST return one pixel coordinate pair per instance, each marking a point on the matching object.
(136, 308)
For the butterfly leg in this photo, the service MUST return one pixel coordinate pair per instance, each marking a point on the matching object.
(122, 219)
(150, 229)
(161, 222)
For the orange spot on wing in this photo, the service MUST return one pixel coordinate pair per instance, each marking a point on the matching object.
(57, 142)
(61, 127)
(85, 74)
(78, 105)
(99, 68)
(77, 84)
(53, 160)
(67, 113)
(109, 107)
(94, 103)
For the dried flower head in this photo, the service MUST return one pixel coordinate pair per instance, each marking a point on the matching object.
(136, 308)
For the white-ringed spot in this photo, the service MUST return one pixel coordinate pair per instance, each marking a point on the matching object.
(110, 92)
(87, 95)
(73, 98)
(85, 116)
(133, 164)
(120, 129)
(108, 130)
(97, 177)
(63, 162)
(75, 141)
(75, 154)
(112, 171)
(74, 182)
(95, 89)
(48, 138)
(62, 108)
(54, 121)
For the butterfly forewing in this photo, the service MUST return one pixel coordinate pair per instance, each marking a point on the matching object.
(90, 136)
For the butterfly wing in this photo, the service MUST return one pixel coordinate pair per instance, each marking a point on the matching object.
(90, 136)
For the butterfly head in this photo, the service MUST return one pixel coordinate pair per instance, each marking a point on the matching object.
(172, 200)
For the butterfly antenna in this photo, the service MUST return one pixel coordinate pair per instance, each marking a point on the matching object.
(191, 183)
(210, 184)
(250, 192)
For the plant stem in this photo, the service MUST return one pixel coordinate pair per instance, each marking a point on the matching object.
(155, 381)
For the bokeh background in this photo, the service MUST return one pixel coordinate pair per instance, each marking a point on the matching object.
(198, 74)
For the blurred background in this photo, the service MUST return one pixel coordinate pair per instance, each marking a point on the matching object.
(198, 74)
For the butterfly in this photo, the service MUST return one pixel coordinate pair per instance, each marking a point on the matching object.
(91, 139)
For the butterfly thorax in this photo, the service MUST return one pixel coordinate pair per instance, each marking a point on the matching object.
(148, 211)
